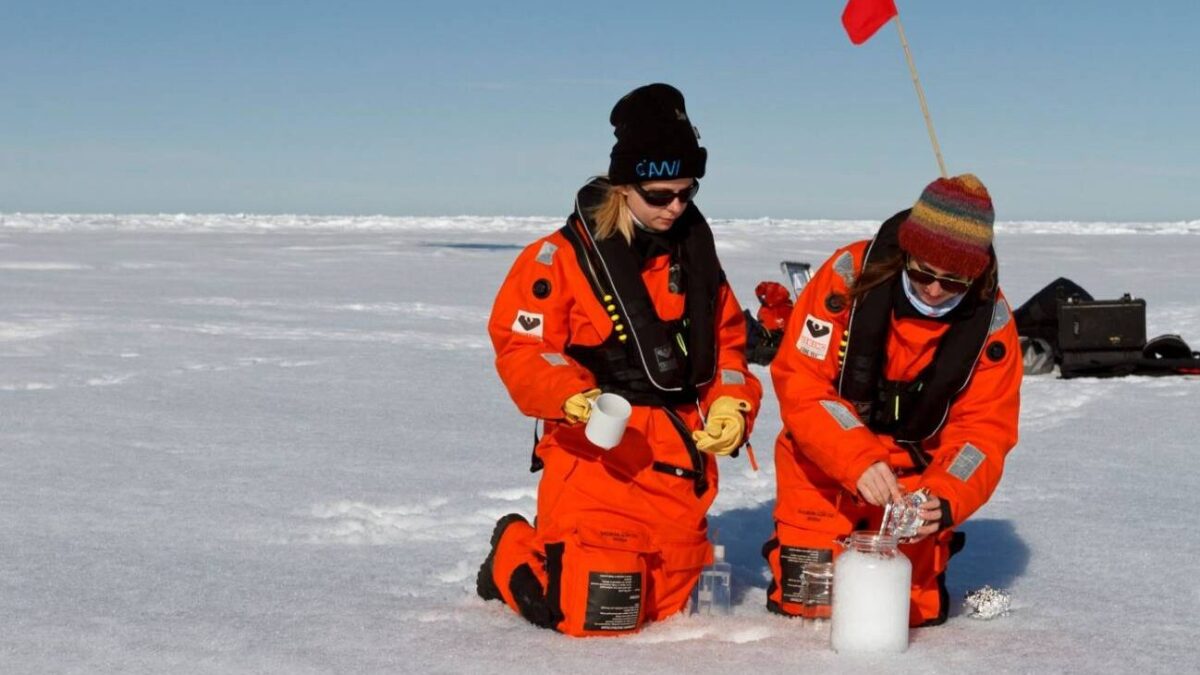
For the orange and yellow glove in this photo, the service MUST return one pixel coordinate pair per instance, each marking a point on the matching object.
(725, 427)
(578, 408)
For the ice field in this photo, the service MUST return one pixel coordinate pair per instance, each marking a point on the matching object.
(245, 444)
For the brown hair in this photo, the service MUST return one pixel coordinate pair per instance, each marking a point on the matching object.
(613, 216)
(880, 272)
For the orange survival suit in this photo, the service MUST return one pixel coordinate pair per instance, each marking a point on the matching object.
(621, 535)
(937, 399)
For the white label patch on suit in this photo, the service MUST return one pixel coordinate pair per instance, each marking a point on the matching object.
(815, 336)
(546, 254)
(969, 459)
(528, 323)
(844, 266)
(732, 377)
(839, 412)
(1000, 316)
(554, 358)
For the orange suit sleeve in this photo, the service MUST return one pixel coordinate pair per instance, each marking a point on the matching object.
(981, 426)
(733, 376)
(530, 328)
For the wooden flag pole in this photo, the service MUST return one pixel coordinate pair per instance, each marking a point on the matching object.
(912, 68)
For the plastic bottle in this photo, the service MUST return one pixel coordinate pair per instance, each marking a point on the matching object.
(713, 590)
(871, 581)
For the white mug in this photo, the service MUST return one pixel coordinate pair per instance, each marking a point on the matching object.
(606, 424)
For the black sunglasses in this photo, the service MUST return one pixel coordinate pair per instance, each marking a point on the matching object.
(661, 198)
(922, 276)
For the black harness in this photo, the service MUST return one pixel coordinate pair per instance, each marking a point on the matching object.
(659, 363)
(912, 411)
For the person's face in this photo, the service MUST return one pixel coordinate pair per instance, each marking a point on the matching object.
(657, 218)
(930, 281)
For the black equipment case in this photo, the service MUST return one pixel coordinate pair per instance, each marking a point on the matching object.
(1102, 325)
(1101, 337)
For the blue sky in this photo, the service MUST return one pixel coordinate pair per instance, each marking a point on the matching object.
(1068, 110)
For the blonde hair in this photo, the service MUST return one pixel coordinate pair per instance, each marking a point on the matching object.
(613, 216)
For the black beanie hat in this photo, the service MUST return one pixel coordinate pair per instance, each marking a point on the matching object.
(655, 138)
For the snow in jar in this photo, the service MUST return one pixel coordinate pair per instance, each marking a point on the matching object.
(871, 581)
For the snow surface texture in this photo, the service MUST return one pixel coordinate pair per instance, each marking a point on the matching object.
(239, 444)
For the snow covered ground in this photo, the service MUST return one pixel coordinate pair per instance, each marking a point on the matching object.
(277, 444)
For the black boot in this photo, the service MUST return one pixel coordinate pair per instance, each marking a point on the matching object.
(485, 582)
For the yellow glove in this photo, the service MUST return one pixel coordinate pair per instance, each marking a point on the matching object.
(578, 408)
(726, 424)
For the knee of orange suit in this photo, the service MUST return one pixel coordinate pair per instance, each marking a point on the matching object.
(515, 549)
(929, 605)
(770, 552)
(930, 556)
(787, 553)
(929, 600)
(600, 576)
(672, 572)
(668, 591)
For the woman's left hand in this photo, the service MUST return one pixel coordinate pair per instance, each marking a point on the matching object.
(930, 512)
(725, 427)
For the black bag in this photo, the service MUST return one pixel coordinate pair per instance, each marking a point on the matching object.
(1168, 355)
(1037, 356)
(761, 344)
(1038, 317)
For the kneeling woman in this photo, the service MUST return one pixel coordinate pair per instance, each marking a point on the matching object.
(899, 371)
(627, 298)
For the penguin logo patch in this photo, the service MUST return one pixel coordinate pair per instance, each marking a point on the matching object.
(815, 337)
(528, 323)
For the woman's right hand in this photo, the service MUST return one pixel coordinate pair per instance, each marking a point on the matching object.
(578, 407)
(878, 485)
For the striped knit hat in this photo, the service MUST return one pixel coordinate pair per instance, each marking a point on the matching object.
(951, 226)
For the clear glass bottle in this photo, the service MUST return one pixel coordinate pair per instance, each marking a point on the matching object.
(818, 597)
(713, 590)
(871, 581)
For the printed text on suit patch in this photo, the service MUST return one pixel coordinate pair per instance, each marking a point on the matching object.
(815, 336)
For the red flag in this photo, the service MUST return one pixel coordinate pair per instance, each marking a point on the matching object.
(862, 18)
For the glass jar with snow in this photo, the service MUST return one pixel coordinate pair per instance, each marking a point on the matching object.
(871, 580)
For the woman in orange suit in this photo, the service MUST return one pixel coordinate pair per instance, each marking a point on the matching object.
(899, 372)
(627, 298)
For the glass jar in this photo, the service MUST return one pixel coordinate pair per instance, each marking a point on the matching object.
(871, 580)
